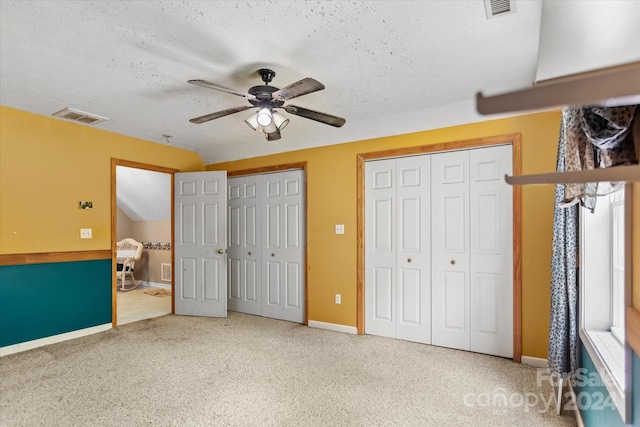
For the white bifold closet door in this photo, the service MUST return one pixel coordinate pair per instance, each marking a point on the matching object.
(283, 246)
(397, 255)
(472, 246)
(244, 252)
(267, 245)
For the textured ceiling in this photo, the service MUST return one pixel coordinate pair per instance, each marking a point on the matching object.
(389, 67)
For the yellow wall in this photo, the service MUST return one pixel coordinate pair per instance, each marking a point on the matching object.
(47, 165)
(331, 198)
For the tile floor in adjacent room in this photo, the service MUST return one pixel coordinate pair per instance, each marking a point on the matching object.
(135, 305)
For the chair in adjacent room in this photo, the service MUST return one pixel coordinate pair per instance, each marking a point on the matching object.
(128, 251)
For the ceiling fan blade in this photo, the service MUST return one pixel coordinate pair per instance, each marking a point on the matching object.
(302, 87)
(315, 115)
(217, 115)
(215, 86)
(273, 135)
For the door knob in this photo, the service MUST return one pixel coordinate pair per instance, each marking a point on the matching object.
(409, 260)
(221, 251)
(273, 254)
(453, 262)
(248, 253)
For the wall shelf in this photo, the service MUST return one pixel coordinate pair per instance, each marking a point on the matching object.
(612, 174)
(619, 85)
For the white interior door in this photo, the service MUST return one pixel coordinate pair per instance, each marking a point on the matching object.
(283, 246)
(491, 267)
(200, 244)
(293, 245)
(450, 246)
(245, 199)
(413, 257)
(397, 249)
(380, 248)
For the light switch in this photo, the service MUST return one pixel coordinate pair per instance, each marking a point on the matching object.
(339, 228)
(85, 233)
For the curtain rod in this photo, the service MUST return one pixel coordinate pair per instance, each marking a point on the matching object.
(591, 87)
(613, 174)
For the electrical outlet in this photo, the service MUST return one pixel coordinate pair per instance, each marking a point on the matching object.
(338, 299)
(85, 233)
(339, 228)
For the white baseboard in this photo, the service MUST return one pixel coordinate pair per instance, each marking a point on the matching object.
(29, 345)
(166, 286)
(536, 362)
(333, 327)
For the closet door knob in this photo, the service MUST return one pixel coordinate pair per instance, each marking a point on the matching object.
(249, 253)
(453, 262)
(409, 260)
(221, 251)
(273, 254)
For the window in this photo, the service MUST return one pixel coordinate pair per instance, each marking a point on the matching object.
(604, 292)
(616, 208)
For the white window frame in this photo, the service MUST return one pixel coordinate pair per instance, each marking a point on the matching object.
(610, 355)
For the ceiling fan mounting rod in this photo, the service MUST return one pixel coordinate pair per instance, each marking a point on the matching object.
(267, 75)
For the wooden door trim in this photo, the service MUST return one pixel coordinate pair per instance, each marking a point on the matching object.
(282, 168)
(515, 140)
(114, 228)
(268, 169)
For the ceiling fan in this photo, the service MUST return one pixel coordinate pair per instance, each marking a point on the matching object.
(267, 99)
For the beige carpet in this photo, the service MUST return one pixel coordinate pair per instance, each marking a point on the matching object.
(251, 371)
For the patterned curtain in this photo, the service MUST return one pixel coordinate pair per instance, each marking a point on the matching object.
(563, 323)
(596, 137)
(590, 137)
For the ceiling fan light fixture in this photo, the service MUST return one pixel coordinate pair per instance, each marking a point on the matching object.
(269, 98)
(264, 117)
(270, 129)
(252, 122)
(280, 121)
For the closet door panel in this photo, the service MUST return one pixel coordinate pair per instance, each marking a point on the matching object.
(380, 251)
(413, 254)
(244, 245)
(251, 250)
(234, 250)
(450, 249)
(293, 226)
(284, 246)
(491, 268)
(272, 248)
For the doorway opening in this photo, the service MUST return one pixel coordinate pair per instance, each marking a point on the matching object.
(142, 209)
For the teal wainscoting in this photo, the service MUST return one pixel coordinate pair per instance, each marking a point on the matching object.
(593, 390)
(42, 300)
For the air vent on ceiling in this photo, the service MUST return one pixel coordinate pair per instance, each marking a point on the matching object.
(495, 8)
(79, 116)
